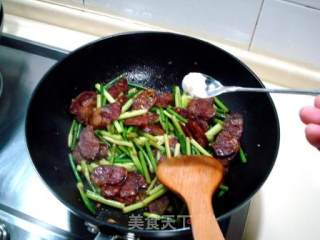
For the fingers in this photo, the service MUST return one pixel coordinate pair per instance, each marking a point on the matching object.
(317, 102)
(312, 132)
(310, 114)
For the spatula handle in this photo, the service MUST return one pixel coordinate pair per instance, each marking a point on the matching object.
(203, 222)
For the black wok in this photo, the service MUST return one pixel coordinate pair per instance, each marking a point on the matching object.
(1, 17)
(1, 26)
(157, 60)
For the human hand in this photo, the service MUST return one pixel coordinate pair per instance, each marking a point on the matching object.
(310, 115)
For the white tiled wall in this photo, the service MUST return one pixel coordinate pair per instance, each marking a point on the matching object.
(287, 29)
(308, 3)
(290, 31)
(231, 20)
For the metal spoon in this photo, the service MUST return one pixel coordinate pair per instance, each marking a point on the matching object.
(204, 86)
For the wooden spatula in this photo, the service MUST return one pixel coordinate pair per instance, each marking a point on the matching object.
(195, 179)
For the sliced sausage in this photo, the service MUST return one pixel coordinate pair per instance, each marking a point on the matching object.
(145, 100)
(87, 147)
(160, 205)
(202, 108)
(110, 191)
(203, 124)
(122, 100)
(172, 143)
(121, 86)
(153, 129)
(127, 200)
(197, 132)
(182, 111)
(142, 120)
(77, 155)
(227, 142)
(132, 185)
(108, 175)
(164, 99)
(82, 106)
(186, 131)
(234, 124)
(101, 117)
(103, 151)
(88, 144)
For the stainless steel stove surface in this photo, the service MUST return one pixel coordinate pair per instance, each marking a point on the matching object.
(28, 210)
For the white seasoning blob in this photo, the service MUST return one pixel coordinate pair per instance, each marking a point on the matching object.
(195, 85)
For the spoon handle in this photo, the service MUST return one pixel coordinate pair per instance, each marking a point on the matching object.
(271, 90)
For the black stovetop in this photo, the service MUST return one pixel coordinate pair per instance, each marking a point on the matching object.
(28, 210)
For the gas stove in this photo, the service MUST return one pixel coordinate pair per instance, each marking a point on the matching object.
(28, 210)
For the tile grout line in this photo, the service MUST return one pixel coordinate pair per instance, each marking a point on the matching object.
(255, 26)
(294, 2)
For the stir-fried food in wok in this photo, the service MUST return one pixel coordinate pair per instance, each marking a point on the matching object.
(121, 131)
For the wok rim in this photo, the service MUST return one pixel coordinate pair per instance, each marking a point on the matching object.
(119, 229)
(1, 17)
